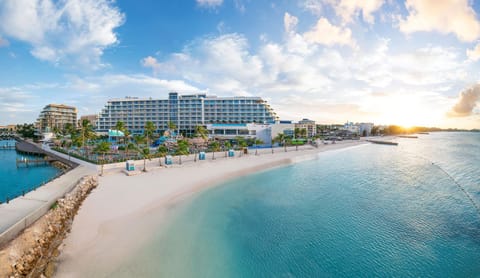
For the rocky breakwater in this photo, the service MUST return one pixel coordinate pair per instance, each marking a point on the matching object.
(33, 252)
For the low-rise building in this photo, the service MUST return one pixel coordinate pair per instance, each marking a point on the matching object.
(309, 126)
(91, 118)
(55, 116)
(262, 132)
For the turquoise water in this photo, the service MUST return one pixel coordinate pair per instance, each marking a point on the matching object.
(13, 180)
(367, 211)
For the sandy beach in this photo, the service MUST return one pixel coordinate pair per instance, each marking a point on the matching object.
(125, 211)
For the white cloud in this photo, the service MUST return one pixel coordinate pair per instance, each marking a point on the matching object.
(209, 3)
(474, 54)
(150, 62)
(444, 16)
(314, 6)
(69, 31)
(347, 10)
(323, 83)
(326, 33)
(467, 101)
(290, 23)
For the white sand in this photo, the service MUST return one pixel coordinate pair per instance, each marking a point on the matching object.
(125, 211)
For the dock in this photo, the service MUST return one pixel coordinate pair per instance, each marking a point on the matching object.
(29, 148)
(29, 162)
(383, 142)
(408, 136)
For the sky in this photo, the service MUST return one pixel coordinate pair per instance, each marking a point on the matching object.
(413, 62)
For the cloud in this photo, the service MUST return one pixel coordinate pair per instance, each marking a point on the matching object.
(336, 35)
(444, 16)
(150, 62)
(209, 3)
(63, 32)
(474, 54)
(4, 42)
(466, 103)
(290, 23)
(346, 9)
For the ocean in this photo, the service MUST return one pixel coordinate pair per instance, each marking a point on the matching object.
(14, 181)
(369, 211)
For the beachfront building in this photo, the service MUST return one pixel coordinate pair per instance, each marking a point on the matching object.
(309, 126)
(185, 111)
(285, 127)
(55, 117)
(8, 129)
(365, 129)
(360, 129)
(262, 132)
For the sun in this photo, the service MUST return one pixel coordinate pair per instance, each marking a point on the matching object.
(407, 111)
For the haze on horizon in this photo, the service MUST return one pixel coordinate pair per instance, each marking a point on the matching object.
(413, 62)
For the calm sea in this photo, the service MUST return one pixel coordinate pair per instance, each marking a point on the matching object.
(367, 211)
(13, 180)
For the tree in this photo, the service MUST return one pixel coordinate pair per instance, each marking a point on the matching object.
(102, 148)
(172, 126)
(86, 133)
(201, 131)
(257, 142)
(182, 149)
(120, 126)
(26, 130)
(162, 152)
(127, 143)
(69, 129)
(142, 150)
(303, 132)
(227, 145)
(149, 129)
(215, 147)
(280, 138)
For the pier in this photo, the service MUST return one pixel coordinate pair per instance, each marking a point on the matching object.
(408, 136)
(383, 142)
(29, 162)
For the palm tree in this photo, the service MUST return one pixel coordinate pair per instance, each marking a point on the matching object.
(127, 143)
(150, 128)
(227, 146)
(257, 142)
(172, 126)
(162, 152)
(201, 131)
(102, 148)
(86, 133)
(280, 138)
(215, 147)
(182, 149)
(120, 126)
(142, 150)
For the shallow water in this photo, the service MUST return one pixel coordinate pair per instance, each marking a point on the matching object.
(372, 210)
(14, 181)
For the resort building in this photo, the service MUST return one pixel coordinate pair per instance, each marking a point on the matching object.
(55, 116)
(309, 125)
(185, 111)
(285, 127)
(262, 132)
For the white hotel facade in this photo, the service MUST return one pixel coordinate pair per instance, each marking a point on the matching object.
(185, 111)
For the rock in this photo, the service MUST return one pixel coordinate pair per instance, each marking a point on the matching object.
(49, 270)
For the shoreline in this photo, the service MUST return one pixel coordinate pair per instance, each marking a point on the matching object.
(129, 209)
